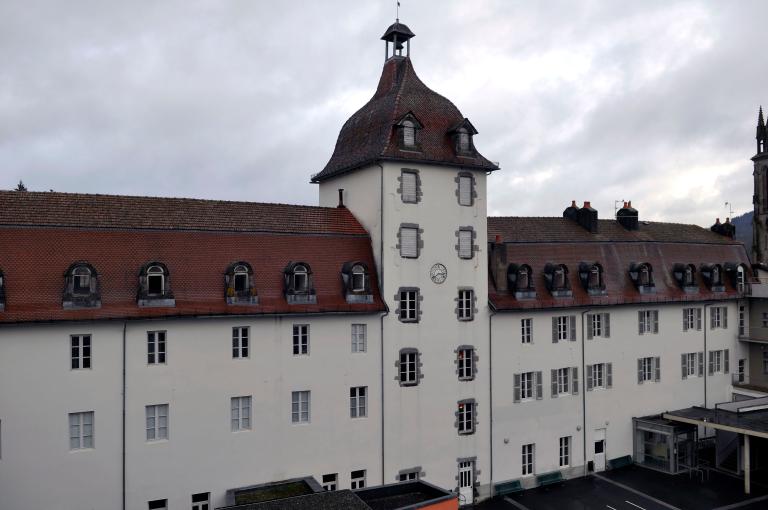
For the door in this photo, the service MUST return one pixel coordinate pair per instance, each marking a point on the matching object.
(466, 483)
(599, 450)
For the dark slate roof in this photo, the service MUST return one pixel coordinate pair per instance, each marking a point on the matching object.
(397, 28)
(368, 136)
(331, 500)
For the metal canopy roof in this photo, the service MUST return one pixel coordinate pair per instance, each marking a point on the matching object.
(748, 417)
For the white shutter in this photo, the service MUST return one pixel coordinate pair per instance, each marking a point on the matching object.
(465, 190)
(409, 238)
(408, 186)
(465, 244)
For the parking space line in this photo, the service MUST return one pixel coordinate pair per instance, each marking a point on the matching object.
(742, 503)
(635, 491)
(515, 503)
(637, 506)
(610, 507)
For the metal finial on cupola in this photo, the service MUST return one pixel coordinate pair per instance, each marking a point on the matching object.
(761, 133)
(397, 34)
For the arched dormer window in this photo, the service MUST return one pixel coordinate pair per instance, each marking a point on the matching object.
(523, 277)
(155, 285)
(685, 275)
(642, 276)
(520, 281)
(81, 287)
(688, 278)
(407, 130)
(559, 280)
(2, 292)
(741, 278)
(357, 282)
(556, 276)
(591, 276)
(713, 277)
(298, 283)
(240, 288)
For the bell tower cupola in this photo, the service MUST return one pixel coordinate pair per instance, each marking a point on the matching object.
(399, 35)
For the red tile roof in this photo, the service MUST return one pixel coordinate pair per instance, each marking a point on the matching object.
(538, 241)
(41, 234)
(368, 136)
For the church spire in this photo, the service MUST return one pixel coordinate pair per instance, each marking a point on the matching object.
(761, 133)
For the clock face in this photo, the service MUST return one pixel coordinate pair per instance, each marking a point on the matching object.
(438, 273)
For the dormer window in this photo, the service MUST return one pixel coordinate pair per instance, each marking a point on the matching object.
(462, 138)
(591, 275)
(298, 283)
(685, 275)
(155, 286)
(642, 276)
(520, 280)
(713, 277)
(357, 282)
(523, 277)
(556, 276)
(239, 285)
(409, 134)
(741, 278)
(81, 287)
(645, 275)
(407, 130)
(559, 280)
(464, 144)
(688, 278)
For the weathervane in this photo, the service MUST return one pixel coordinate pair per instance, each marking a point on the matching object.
(730, 209)
(397, 12)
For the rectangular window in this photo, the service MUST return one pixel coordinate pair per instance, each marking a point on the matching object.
(648, 370)
(408, 476)
(409, 242)
(692, 364)
(409, 187)
(565, 451)
(764, 320)
(408, 367)
(358, 403)
(300, 407)
(564, 328)
(156, 348)
(201, 501)
(526, 330)
(527, 461)
(466, 417)
(81, 351)
(158, 504)
(465, 244)
(300, 339)
(465, 190)
(466, 363)
(465, 309)
(742, 320)
(718, 317)
(157, 422)
(648, 321)
(241, 413)
(718, 361)
(527, 386)
(80, 430)
(741, 374)
(359, 337)
(597, 324)
(240, 342)
(331, 481)
(562, 376)
(357, 479)
(409, 305)
(599, 375)
(691, 319)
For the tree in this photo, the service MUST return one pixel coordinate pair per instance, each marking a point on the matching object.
(21, 186)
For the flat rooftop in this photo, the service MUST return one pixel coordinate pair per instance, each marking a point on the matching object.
(744, 417)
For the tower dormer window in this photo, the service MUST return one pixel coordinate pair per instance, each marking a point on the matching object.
(409, 134)
(407, 130)
(357, 282)
(81, 289)
(556, 276)
(685, 275)
(155, 286)
(462, 138)
(591, 276)
(298, 283)
(239, 284)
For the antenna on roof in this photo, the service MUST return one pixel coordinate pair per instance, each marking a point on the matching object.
(616, 205)
(730, 209)
(397, 12)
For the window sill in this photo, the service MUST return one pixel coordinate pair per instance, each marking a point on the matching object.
(156, 302)
(301, 299)
(465, 319)
(465, 379)
(364, 299)
(466, 433)
(78, 305)
(243, 301)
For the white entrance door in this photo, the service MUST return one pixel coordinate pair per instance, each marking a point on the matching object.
(599, 457)
(466, 481)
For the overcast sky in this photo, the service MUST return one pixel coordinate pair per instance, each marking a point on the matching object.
(591, 100)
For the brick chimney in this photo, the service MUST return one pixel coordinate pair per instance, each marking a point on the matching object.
(571, 212)
(587, 217)
(627, 216)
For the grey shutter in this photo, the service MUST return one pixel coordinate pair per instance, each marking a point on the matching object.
(607, 325)
(572, 320)
(609, 375)
(589, 377)
(575, 380)
(409, 242)
(701, 363)
(639, 370)
(725, 317)
(408, 186)
(657, 369)
(698, 319)
(554, 330)
(711, 320)
(726, 361)
(539, 390)
(465, 190)
(465, 244)
(640, 322)
(684, 365)
(711, 363)
(590, 330)
(685, 319)
(655, 315)
(516, 391)
(554, 382)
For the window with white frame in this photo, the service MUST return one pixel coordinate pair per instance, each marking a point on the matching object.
(358, 403)
(691, 319)
(466, 417)
(563, 328)
(409, 299)
(465, 308)
(692, 364)
(300, 406)
(527, 386)
(81, 430)
(81, 351)
(648, 322)
(357, 479)
(331, 481)
(409, 187)
(598, 325)
(359, 337)
(157, 422)
(741, 371)
(240, 413)
(408, 476)
(156, 348)
(408, 368)
(648, 369)
(466, 363)
(718, 317)
(465, 189)
(158, 504)
(718, 361)
(527, 460)
(300, 339)
(526, 330)
(201, 501)
(240, 345)
(565, 451)
(742, 320)
(409, 242)
(563, 381)
(599, 376)
(465, 243)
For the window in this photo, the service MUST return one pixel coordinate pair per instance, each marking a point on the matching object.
(240, 277)
(527, 386)
(409, 367)
(765, 362)
(359, 337)
(409, 241)
(201, 501)
(718, 317)
(598, 325)
(465, 359)
(463, 143)
(688, 276)
(358, 278)
(408, 311)
(719, 362)
(300, 407)
(466, 236)
(358, 406)
(741, 371)
(357, 479)
(81, 288)
(155, 286)
(692, 364)
(239, 286)
(644, 277)
(764, 320)
(740, 278)
(409, 134)
(466, 417)
(559, 278)
(300, 278)
(565, 381)
(409, 187)
(565, 451)
(523, 278)
(466, 189)
(526, 331)
(81, 280)
(240, 342)
(408, 476)
(157, 422)
(742, 320)
(691, 319)
(300, 339)
(564, 328)
(527, 462)
(648, 321)
(156, 348)
(331, 481)
(81, 351)
(599, 376)
(466, 302)
(155, 280)
(241, 413)
(158, 504)
(648, 370)
(595, 277)
(80, 430)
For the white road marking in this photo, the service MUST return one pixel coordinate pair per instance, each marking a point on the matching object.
(609, 506)
(637, 506)
(515, 503)
(635, 491)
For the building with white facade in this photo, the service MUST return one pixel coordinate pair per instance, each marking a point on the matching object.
(156, 353)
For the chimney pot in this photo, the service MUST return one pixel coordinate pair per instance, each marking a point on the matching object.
(629, 204)
(573, 203)
(717, 221)
(587, 204)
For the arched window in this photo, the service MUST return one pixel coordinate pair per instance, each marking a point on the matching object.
(717, 277)
(741, 278)
(356, 282)
(559, 279)
(300, 278)
(523, 278)
(81, 289)
(81, 281)
(644, 277)
(688, 276)
(359, 277)
(155, 285)
(595, 278)
(409, 134)
(241, 279)
(155, 280)
(298, 283)
(239, 284)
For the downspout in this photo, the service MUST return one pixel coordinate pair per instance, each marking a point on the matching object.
(490, 388)
(584, 394)
(125, 325)
(381, 321)
(706, 355)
